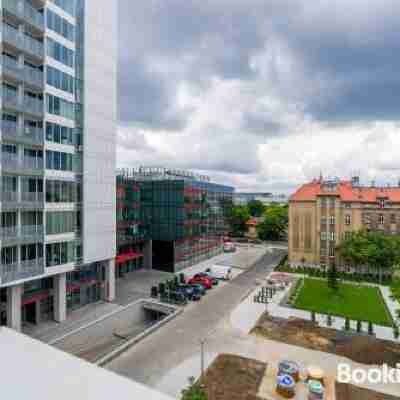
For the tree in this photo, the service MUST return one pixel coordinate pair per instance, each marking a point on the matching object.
(275, 223)
(256, 208)
(194, 391)
(332, 277)
(373, 250)
(239, 215)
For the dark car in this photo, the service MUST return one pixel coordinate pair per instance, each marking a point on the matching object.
(199, 288)
(189, 292)
(213, 279)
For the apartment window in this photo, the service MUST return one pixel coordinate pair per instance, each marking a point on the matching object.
(323, 251)
(60, 80)
(332, 220)
(347, 205)
(392, 218)
(60, 25)
(59, 161)
(332, 236)
(59, 134)
(31, 252)
(381, 219)
(331, 251)
(67, 5)
(9, 255)
(366, 219)
(347, 219)
(60, 107)
(60, 253)
(381, 203)
(332, 202)
(323, 202)
(323, 235)
(60, 191)
(60, 53)
(347, 235)
(60, 222)
(323, 220)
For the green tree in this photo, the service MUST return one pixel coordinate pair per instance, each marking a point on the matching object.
(371, 250)
(256, 208)
(194, 391)
(275, 223)
(239, 215)
(333, 277)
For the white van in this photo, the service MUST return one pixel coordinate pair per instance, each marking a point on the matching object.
(220, 272)
(229, 247)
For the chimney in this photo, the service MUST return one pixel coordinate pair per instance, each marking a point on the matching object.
(355, 181)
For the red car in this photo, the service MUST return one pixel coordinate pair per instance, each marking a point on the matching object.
(203, 280)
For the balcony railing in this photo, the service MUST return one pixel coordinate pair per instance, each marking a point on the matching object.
(31, 231)
(10, 232)
(33, 76)
(22, 41)
(25, 11)
(33, 106)
(23, 270)
(32, 197)
(11, 161)
(9, 197)
(12, 68)
(30, 135)
(11, 100)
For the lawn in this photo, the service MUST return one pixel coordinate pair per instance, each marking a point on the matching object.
(352, 301)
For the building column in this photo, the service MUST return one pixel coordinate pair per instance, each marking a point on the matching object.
(60, 297)
(109, 293)
(37, 312)
(14, 307)
(148, 255)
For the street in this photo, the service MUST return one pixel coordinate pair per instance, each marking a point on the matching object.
(151, 359)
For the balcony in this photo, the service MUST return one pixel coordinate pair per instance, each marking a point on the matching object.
(28, 135)
(32, 233)
(22, 42)
(26, 201)
(33, 106)
(24, 11)
(33, 77)
(27, 165)
(9, 235)
(23, 270)
(12, 69)
(11, 100)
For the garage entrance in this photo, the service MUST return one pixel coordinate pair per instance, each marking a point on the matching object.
(163, 255)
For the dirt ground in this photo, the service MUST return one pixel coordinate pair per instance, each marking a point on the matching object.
(231, 377)
(362, 349)
(345, 391)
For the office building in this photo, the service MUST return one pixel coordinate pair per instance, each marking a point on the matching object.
(172, 220)
(58, 135)
(323, 212)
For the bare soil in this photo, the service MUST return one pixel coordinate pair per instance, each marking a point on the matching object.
(345, 391)
(231, 377)
(362, 349)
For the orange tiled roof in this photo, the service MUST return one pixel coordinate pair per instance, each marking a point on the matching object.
(347, 192)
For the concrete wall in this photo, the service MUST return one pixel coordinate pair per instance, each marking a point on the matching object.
(104, 329)
(100, 124)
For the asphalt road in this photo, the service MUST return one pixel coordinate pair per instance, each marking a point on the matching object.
(152, 358)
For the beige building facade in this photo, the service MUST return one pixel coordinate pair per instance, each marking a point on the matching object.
(322, 213)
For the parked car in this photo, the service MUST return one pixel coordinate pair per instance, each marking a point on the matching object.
(229, 247)
(199, 288)
(220, 272)
(189, 292)
(203, 280)
(213, 280)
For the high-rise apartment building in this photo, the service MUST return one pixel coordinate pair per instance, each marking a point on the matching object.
(325, 211)
(58, 140)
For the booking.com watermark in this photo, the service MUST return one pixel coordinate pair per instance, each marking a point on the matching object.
(383, 374)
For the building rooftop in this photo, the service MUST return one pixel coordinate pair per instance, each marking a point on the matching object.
(346, 191)
(36, 371)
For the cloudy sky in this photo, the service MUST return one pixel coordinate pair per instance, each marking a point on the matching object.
(261, 94)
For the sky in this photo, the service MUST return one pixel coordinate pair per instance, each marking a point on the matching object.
(263, 95)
